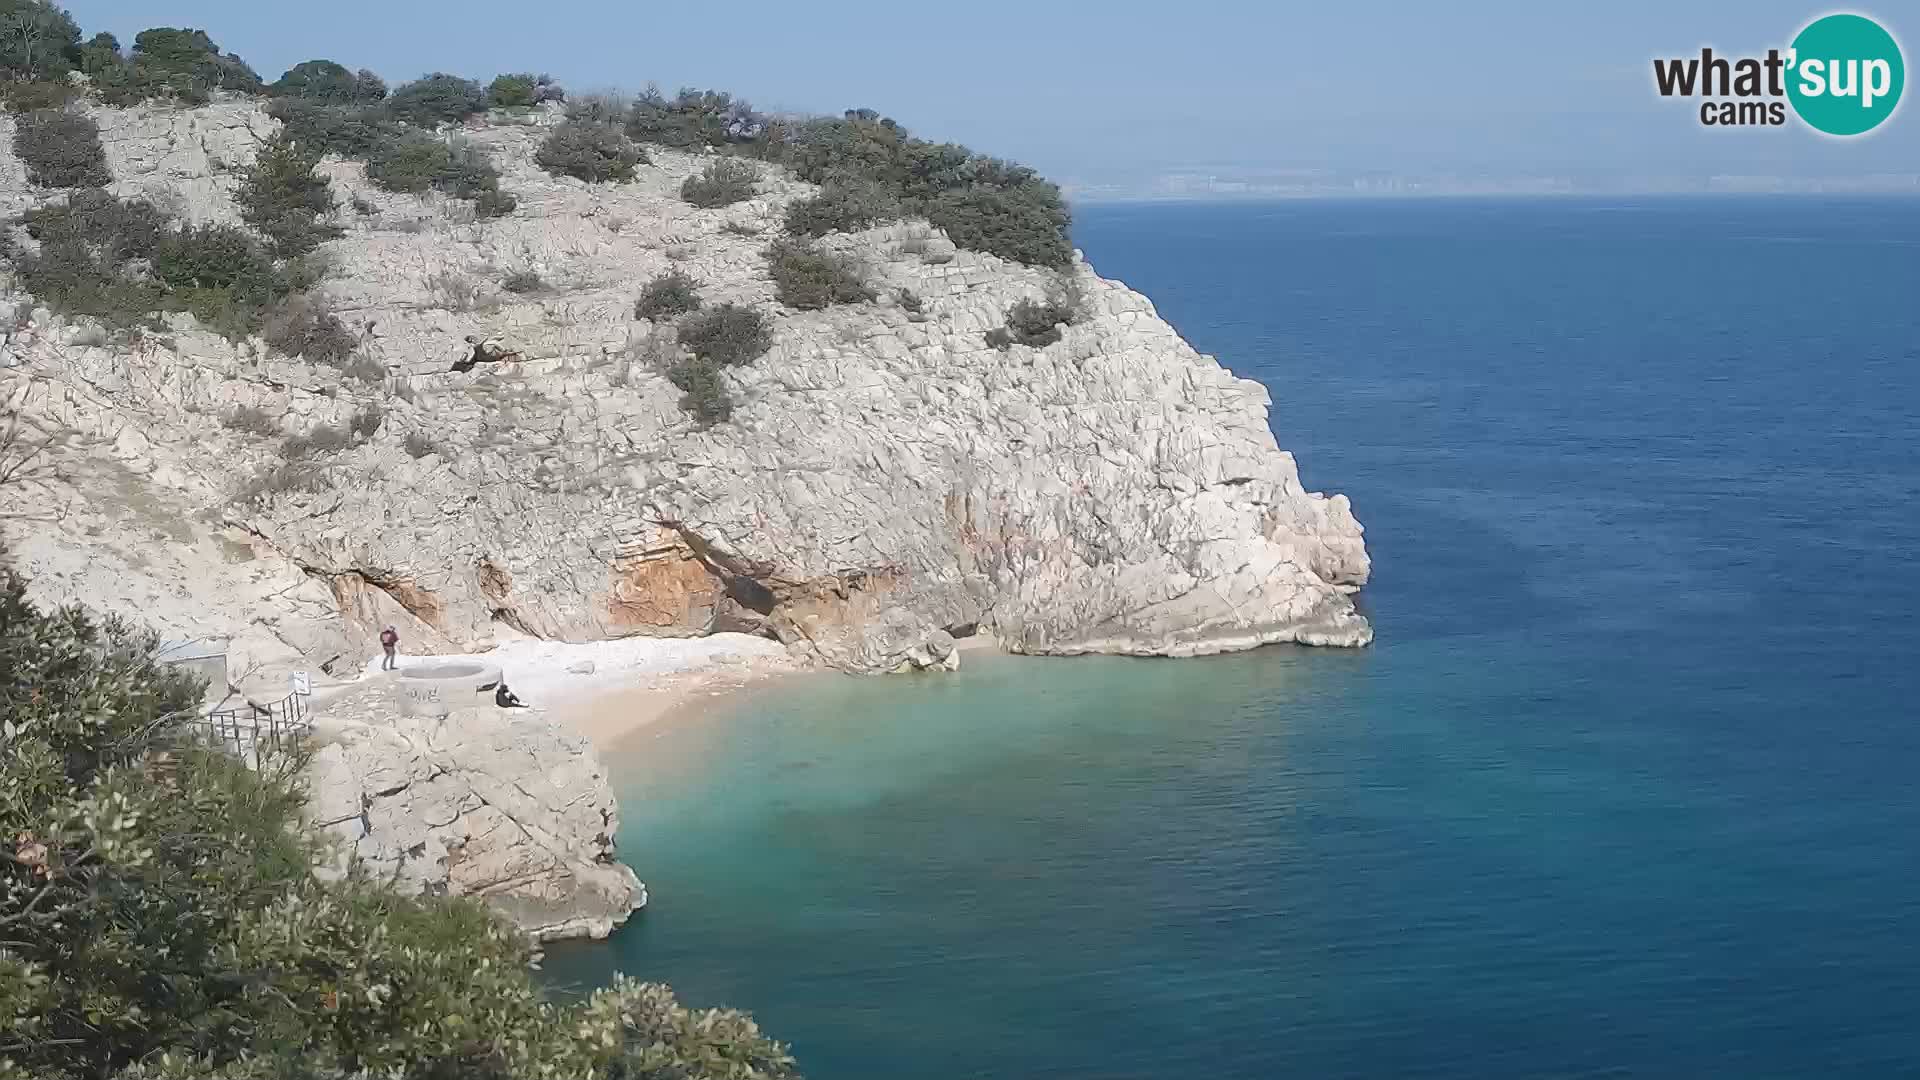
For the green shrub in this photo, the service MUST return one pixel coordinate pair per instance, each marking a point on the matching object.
(692, 119)
(511, 92)
(189, 63)
(1037, 324)
(282, 196)
(726, 334)
(523, 282)
(437, 99)
(808, 279)
(329, 83)
(704, 391)
(32, 94)
(215, 257)
(1027, 224)
(599, 109)
(413, 164)
(101, 53)
(844, 204)
(721, 183)
(304, 326)
(667, 296)
(253, 420)
(61, 149)
(37, 40)
(592, 152)
(495, 203)
(350, 131)
(985, 204)
(85, 245)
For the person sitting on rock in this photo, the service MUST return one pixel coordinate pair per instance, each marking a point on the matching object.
(484, 351)
(505, 698)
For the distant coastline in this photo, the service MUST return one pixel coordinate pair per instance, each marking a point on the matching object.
(1190, 187)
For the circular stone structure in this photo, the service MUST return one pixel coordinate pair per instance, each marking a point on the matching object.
(439, 687)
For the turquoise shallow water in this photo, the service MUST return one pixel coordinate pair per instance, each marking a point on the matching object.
(1624, 789)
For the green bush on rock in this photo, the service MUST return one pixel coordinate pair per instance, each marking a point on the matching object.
(282, 196)
(722, 183)
(162, 921)
(587, 151)
(329, 83)
(984, 203)
(727, 334)
(844, 204)
(61, 149)
(808, 279)
(437, 99)
(1037, 323)
(667, 296)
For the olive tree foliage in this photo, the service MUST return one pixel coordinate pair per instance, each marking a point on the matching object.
(159, 919)
(329, 82)
(438, 98)
(37, 40)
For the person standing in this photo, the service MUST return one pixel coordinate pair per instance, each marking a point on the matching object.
(389, 642)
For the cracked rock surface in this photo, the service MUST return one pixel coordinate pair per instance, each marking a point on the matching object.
(887, 478)
(507, 807)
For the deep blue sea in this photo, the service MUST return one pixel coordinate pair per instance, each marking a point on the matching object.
(1629, 785)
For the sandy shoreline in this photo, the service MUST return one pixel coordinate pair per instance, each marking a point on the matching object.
(610, 690)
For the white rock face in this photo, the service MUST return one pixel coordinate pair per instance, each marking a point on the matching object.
(507, 807)
(887, 479)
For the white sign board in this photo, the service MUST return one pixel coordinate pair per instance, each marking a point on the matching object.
(302, 683)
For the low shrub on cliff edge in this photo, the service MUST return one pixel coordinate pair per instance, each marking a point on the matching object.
(164, 923)
(61, 149)
(985, 204)
(1037, 324)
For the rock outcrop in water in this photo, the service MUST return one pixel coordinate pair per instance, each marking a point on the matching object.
(889, 479)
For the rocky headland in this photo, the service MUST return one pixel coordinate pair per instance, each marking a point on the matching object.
(508, 454)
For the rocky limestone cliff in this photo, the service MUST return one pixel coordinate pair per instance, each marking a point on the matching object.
(510, 808)
(888, 479)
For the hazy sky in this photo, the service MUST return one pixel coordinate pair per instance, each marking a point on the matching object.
(1122, 88)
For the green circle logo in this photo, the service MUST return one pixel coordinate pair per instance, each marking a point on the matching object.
(1846, 74)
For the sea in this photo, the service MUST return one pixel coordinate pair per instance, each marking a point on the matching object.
(1628, 786)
